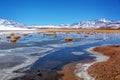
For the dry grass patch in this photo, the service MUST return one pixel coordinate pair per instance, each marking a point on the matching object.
(13, 40)
(68, 39)
(8, 37)
(16, 37)
(50, 34)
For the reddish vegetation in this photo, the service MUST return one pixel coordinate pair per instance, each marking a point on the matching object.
(110, 69)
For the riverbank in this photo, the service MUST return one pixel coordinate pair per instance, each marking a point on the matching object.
(105, 66)
(108, 69)
(82, 68)
(63, 54)
(69, 70)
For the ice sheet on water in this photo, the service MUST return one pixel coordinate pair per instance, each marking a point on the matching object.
(10, 61)
(81, 70)
(31, 54)
(14, 59)
(23, 51)
(73, 44)
(77, 53)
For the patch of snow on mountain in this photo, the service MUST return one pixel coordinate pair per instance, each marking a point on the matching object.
(11, 25)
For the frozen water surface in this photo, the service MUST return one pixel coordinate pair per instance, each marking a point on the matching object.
(32, 47)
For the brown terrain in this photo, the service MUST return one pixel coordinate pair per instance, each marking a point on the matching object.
(68, 70)
(109, 69)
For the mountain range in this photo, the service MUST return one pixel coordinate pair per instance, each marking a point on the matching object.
(99, 23)
(94, 24)
(11, 25)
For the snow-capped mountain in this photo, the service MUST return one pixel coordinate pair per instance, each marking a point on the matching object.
(97, 23)
(43, 26)
(11, 25)
(6, 22)
(94, 24)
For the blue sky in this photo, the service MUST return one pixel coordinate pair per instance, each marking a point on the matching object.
(44, 12)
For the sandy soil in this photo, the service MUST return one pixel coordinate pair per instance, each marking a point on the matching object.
(68, 70)
(106, 70)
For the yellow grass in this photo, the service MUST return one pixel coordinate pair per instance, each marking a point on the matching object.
(8, 37)
(13, 40)
(16, 37)
(50, 34)
(77, 31)
(68, 39)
